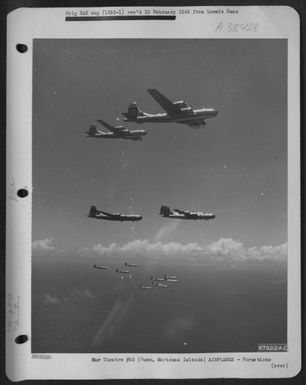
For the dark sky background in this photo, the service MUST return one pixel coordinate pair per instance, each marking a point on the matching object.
(236, 167)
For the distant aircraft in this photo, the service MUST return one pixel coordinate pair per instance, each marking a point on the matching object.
(177, 112)
(117, 132)
(169, 276)
(94, 213)
(180, 214)
(131, 264)
(145, 287)
(159, 284)
(122, 271)
(157, 279)
(100, 267)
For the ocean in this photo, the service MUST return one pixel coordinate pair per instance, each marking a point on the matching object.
(216, 306)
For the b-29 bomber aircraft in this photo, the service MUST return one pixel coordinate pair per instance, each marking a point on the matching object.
(177, 111)
(100, 267)
(98, 214)
(180, 214)
(116, 132)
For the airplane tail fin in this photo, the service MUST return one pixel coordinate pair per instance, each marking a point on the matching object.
(92, 212)
(133, 112)
(165, 211)
(92, 131)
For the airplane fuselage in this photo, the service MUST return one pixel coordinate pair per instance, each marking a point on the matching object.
(121, 218)
(193, 117)
(132, 134)
(98, 214)
(100, 267)
(131, 264)
(157, 279)
(192, 216)
(170, 277)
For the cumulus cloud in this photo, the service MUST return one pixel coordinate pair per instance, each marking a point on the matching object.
(223, 249)
(145, 248)
(228, 248)
(43, 247)
(269, 252)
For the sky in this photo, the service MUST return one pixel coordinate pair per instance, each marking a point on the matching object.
(236, 167)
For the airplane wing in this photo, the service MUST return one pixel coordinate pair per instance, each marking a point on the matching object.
(165, 103)
(108, 126)
(105, 213)
(181, 212)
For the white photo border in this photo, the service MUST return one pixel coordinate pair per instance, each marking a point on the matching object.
(26, 24)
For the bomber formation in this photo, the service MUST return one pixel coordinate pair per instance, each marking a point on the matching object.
(177, 112)
(155, 282)
(165, 212)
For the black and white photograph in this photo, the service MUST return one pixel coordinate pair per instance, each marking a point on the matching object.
(160, 195)
(162, 229)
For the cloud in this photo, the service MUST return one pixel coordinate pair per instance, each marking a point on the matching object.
(228, 248)
(51, 300)
(145, 248)
(43, 247)
(269, 252)
(84, 293)
(223, 249)
(71, 295)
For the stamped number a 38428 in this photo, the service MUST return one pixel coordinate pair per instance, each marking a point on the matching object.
(237, 27)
